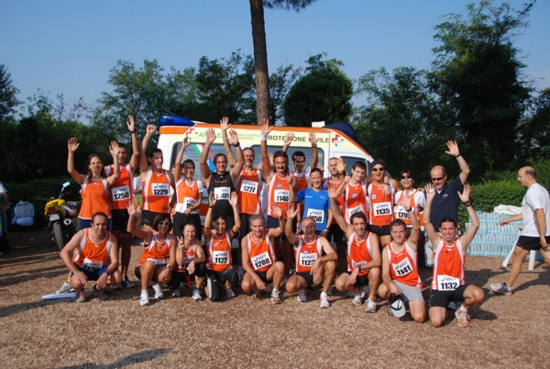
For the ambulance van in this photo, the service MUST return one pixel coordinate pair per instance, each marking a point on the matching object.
(333, 140)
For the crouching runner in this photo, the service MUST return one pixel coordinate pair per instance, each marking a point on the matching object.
(157, 246)
(312, 269)
(259, 260)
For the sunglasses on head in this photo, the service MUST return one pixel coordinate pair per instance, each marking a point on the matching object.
(437, 179)
(167, 223)
(378, 169)
(406, 177)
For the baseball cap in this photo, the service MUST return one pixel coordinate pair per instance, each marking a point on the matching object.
(397, 306)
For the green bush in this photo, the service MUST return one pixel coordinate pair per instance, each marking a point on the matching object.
(485, 196)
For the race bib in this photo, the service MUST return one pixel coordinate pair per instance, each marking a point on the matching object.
(158, 262)
(447, 283)
(401, 213)
(355, 264)
(189, 202)
(120, 193)
(261, 260)
(222, 193)
(403, 268)
(91, 266)
(249, 187)
(307, 260)
(317, 215)
(282, 195)
(220, 257)
(160, 189)
(187, 260)
(382, 208)
(354, 210)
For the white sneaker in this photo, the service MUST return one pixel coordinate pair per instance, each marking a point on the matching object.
(159, 295)
(176, 293)
(196, 295)
(275, 297)
(371, 306)
(144, 298)
(324, 301)
(302, 296)
(66, 287)
(357, 300)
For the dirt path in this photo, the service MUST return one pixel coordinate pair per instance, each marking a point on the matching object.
(179, 332)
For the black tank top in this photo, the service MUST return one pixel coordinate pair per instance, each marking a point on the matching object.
(222, 185)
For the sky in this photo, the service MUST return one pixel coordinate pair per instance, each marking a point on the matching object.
(69, 46)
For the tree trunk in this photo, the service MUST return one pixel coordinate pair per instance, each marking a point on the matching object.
(260, 60)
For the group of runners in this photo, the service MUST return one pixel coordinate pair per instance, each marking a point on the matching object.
(284, 221)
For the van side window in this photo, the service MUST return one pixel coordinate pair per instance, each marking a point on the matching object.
(350, 160)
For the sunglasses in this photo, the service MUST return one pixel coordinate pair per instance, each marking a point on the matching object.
(378, 169)
(406, 177)
(163, 223)
(437, 179)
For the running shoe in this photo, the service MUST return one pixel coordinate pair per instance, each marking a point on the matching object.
(126, 282)
(275, 297)
(256, 294)
(196, 295)
(103, 295)
(371, 306)
(324, 301)
(115, 287)
(302, 296)
(501, 288)
(66, 287)
(365, 292)
(159, 295)
(329, 292)
(176, 293)
(80, 296)
(229, 294)
(144, 298)
(463, 318)
(357, 300)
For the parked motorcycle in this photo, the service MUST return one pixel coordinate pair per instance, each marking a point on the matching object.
(59, 214)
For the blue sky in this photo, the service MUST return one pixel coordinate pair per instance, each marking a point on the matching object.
(69, 46)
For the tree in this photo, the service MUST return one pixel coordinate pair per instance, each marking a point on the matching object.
(8, 94)
(535, 129)
(280, 83)
(477, 74)
(146, 93)
(260, 47)
(225, 88)
(400, 121)
(323, 93)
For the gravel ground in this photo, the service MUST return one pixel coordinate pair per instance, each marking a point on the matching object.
(243, 332)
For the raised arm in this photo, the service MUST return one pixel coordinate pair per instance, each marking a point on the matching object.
(430, 228)
(337, 215)
(146, 236)
(467, 237)
(134, 160)
(224, 125)
(415, 232)
(236, 169)
(314, 153)
(464, 168)
(184, 143)
(113, 149)
(288, 141)
(205, 170)
(290, 215)
(234, 202)
(143, 164)
(265, 130)
(73, 146)
(207, 229)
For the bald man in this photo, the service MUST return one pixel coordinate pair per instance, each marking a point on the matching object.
(446, 200)
(535, 235)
